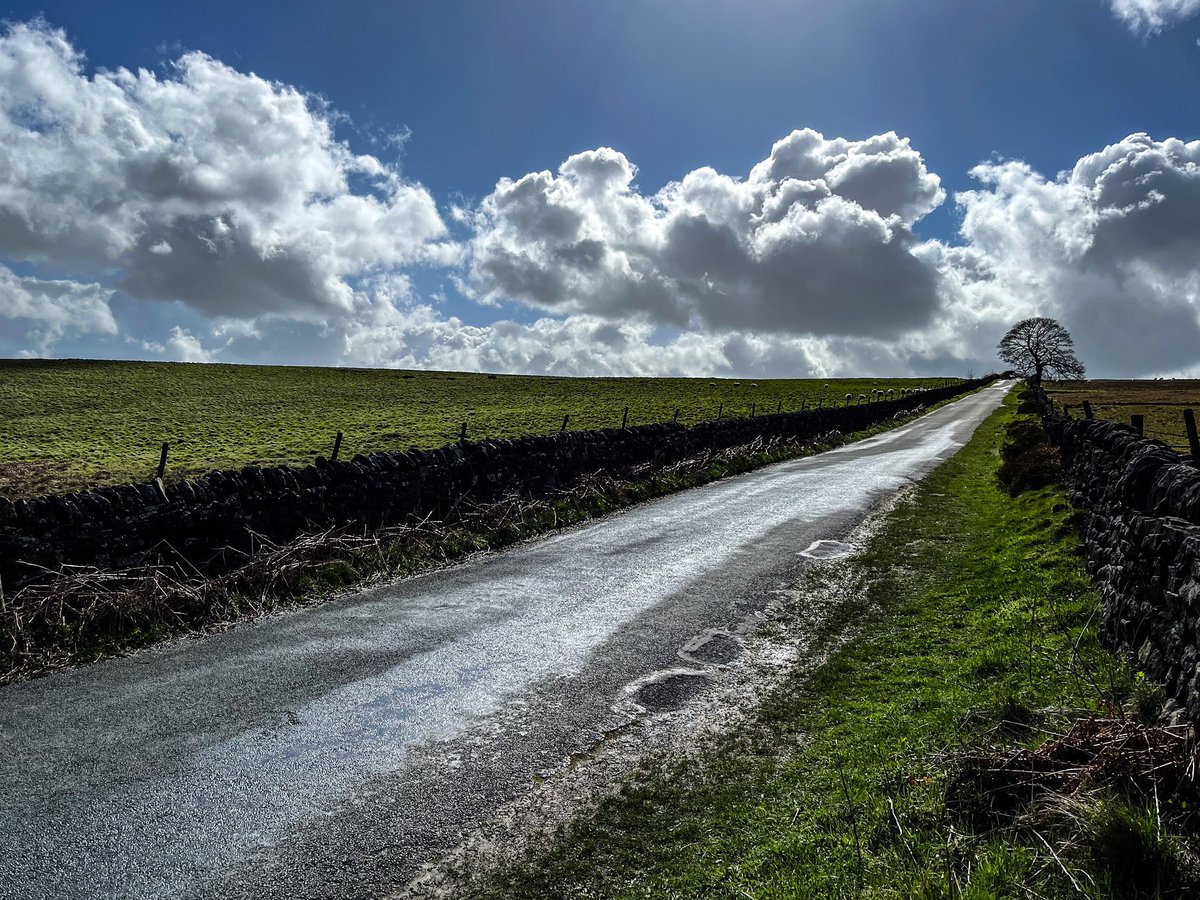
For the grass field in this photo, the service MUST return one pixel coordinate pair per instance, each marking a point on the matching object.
(1161, 402)
(74, 423)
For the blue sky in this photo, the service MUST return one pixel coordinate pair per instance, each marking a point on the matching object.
(486, 91)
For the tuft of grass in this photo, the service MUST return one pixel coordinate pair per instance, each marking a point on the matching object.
(1022, 435)
(1029, 459)
(1146, 699)
(975, 627)
(1132, 856)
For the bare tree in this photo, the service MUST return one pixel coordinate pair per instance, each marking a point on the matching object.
(1040, 346)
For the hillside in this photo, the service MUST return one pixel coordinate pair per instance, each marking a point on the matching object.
(74, 423)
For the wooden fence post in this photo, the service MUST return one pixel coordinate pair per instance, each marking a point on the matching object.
(337, 445)
(676, 418)
(779, 408)
(625, 417)
(566, 419)
(720, 411)
(1189, 420)
(1087, 410)
(162, 461)
(1138, 422)
(752, 408)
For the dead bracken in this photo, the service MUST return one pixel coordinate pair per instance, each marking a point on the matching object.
(991, 787)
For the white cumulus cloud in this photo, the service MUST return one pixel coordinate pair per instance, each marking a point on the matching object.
(809, 265)
(582, 344)
(419, 337)
(230, 196)
(204, 185)
(1111, 247)
(816, 240)
(184, 346)
(1153, 15)
(48, 309)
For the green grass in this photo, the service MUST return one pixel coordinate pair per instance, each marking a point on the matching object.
(75, 423)
(1160, 402)
(973, 609)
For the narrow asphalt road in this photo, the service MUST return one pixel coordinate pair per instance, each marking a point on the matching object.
(330, 751)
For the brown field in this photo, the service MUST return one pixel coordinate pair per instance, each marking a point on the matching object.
(1161, 402)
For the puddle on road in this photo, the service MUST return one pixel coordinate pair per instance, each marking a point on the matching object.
(712, 647)
(823, 550)
(667, 690)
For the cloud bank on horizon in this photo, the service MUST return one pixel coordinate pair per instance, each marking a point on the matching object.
(224, 205)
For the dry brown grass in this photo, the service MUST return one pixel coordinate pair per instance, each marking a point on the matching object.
(991, 786)
(1161, 402)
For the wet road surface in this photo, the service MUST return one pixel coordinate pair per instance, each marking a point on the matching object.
(330, 751)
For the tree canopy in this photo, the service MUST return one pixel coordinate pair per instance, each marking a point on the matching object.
(1040, 347)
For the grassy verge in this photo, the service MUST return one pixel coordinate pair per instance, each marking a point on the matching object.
(974, 637)
(93, 615)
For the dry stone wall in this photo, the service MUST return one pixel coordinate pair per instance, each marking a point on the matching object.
(1141, 535)
(211, 522)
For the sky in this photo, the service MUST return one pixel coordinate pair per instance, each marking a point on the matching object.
(749, 188)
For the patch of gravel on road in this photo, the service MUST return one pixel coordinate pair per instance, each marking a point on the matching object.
(780, 641)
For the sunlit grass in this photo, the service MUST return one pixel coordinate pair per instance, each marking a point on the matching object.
(65, 424)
